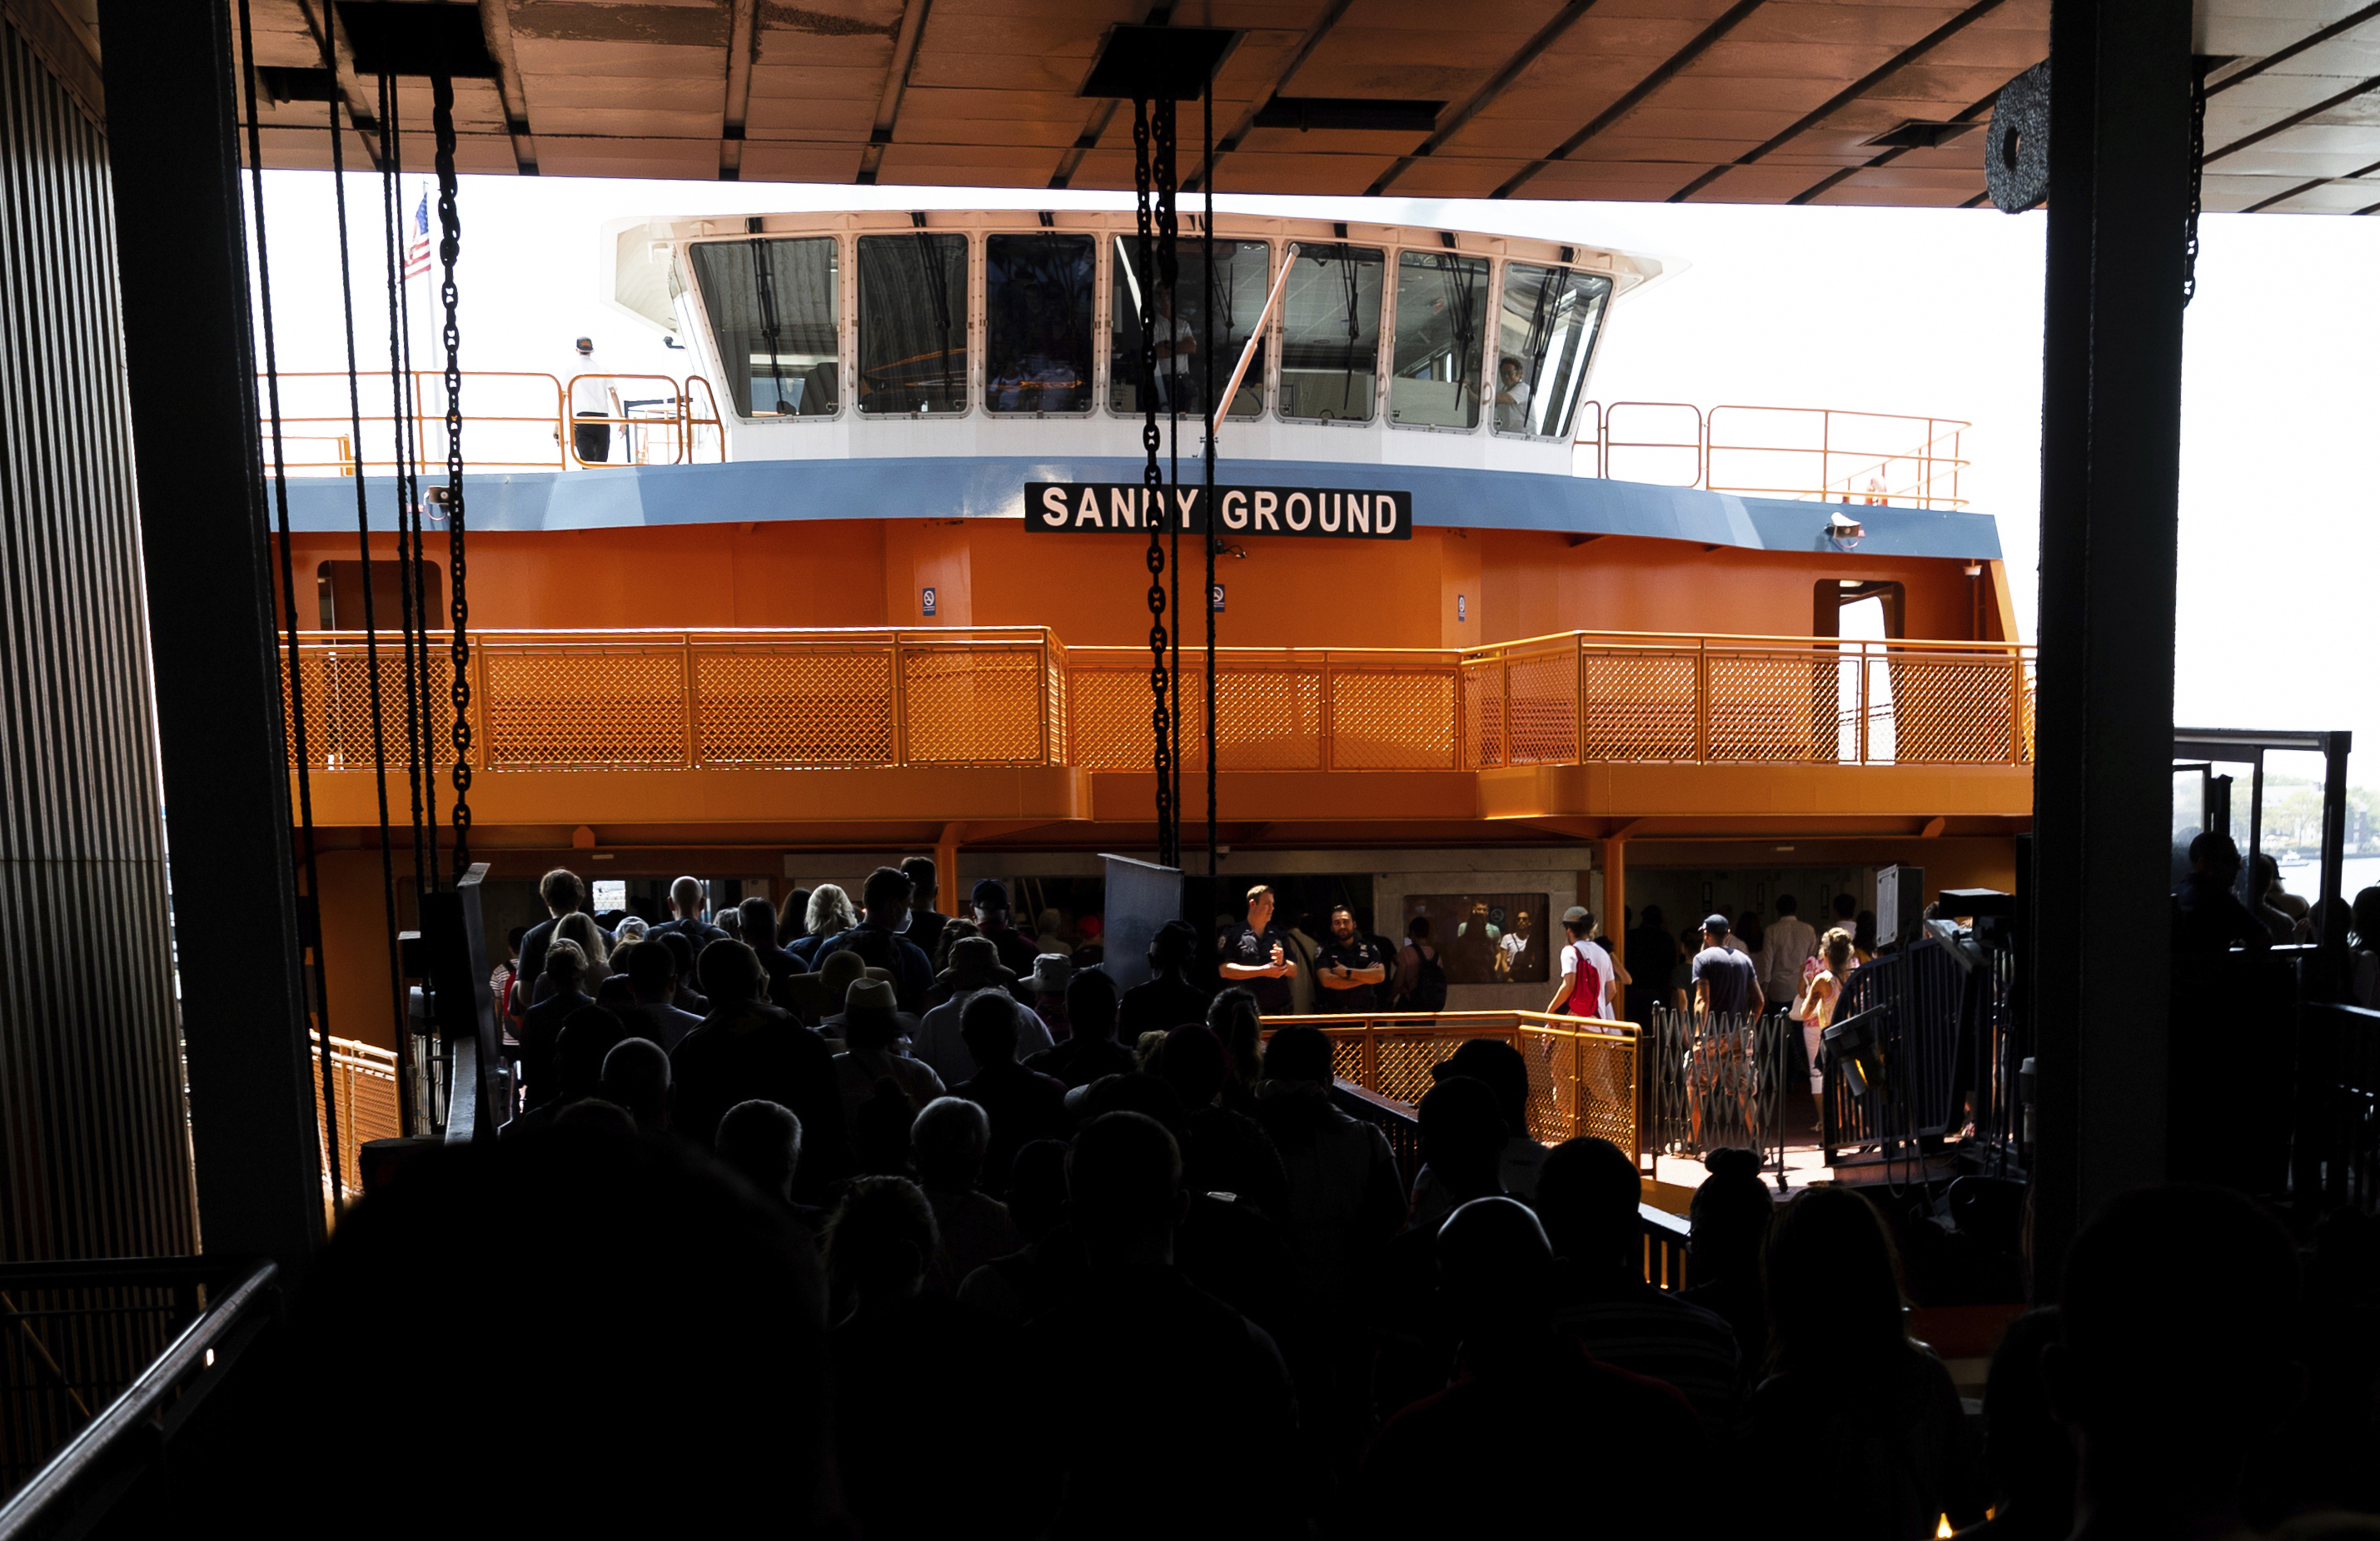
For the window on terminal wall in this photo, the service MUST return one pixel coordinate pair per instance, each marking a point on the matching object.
(340, 589)
(775, 308)
(1037, 295)
(913, 322)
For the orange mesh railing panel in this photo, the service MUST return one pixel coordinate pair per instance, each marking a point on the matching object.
(794, 708)
(826, 699)
(1582, 1073)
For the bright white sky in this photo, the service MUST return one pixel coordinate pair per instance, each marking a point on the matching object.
(1884, 311)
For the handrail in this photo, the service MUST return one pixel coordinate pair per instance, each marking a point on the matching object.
(1885, 458)
(429, 424)
(69, 1493)
(679, 699)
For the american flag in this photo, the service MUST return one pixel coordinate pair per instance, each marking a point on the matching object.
(417, 254)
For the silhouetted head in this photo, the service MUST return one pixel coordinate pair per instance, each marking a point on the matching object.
(831, 913)
(1298, 1053)
(1587, 1194)
(762, 1141)
(1037, 1188)
(924, 886)
(1237, 1023)
(793, 914)
(680, 951)
(1091, 1006)
(588, 1036)
(1463, 1136)
(1787, 905)
(731, 974)
(1715, 930)
(1174, 947)
(563, 890)
(1124, 1186)
(637, 1077)
(1496, 1269)
(1731, 1216)
(1651, 915)
(988, 1025)
(974, 962)
(760, 924)
(2366, 911)
(1418, 927)
(1194, 1062)
(1834, 1285)
(1846, 905)
(950, 1137)
(1499, 1065)
(885, 895)
(2215, 854)
(566, 966)
(652, 973)
(880, 1240)
(686, 898)
(1143, 1093)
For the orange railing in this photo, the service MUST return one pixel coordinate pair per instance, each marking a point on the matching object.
(363, 1083)
(513, 421)
(1582, 1072)
(1778, 452)
(672, 701)
(1584, 697)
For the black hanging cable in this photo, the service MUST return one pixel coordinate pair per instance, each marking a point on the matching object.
(364, 558)
(1169, 273)
(2199, 66)
(409, 598)
(764, 295)
(1153, 491)
(1207, 191)
(450, 246)
(412, 514)
(309, 923)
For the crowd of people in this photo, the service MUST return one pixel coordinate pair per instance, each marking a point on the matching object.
(841, 1236)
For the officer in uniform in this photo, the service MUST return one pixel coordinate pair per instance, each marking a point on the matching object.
(1350, 969)
(1255, 953)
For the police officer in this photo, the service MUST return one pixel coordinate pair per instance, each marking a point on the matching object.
(1257, 954)
(1350, 967)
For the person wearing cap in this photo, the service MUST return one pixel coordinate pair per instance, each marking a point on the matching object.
(820, 996)
(1349, 970)
(975, 968)
(1723, 979)
(1051, 973)
(1590, 981)
(877, 939)
(926, 922)
(1015, 949)
(591, 397)
(873, 1024)
(1255, 953)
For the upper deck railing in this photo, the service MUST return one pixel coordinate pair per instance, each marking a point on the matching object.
(518, 421)
(824, 699)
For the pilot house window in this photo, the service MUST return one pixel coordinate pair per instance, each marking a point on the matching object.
(1242, 270)
(775, 306)
(1545, 330)
(1441, 306)
(1037, 294)
(1330, 333)
(913, 322)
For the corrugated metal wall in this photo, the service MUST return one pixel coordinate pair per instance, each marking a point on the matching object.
(94, 1151)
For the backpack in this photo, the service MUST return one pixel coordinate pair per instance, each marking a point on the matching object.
(1428, 993)
(1589, 978)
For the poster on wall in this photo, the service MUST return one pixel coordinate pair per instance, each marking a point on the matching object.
(1485, 938)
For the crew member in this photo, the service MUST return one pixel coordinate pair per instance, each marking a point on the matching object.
(1255, 953)
(1349, 968)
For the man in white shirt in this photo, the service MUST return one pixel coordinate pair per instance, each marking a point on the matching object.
(1575, 996)
(975, 968)
(1513, 395)
(1786, 944)
(591, 398)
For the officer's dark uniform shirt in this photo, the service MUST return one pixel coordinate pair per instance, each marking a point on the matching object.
(1357, 953)
(1250, 947)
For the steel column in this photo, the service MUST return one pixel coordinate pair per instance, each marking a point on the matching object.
(183, 263)
(2111, 411)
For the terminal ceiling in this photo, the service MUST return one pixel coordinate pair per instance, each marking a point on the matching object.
(1845, 101)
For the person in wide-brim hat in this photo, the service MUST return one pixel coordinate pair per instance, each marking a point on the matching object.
(870, 1017)
(975, 965)
(825, 992)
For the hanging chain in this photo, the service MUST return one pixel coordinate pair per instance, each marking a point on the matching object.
(1168, 279)
(450, 245)
(1153, 509)
(2197, 177)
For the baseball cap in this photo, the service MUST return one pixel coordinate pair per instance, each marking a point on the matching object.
(1574, 916)
(1715, 924)
(992, 891)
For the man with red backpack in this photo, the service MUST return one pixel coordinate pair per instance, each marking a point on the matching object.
(1590, 980)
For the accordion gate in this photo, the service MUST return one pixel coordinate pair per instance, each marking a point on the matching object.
(759, 700)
